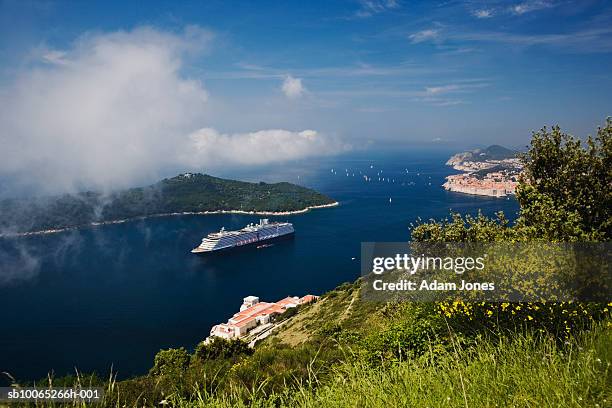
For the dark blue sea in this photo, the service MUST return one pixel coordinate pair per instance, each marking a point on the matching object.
(112, 296)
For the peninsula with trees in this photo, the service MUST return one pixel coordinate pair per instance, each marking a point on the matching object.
(492, 172)
(188, 193)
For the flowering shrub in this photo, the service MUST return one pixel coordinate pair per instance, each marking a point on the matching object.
(564, 196)
(560, 318)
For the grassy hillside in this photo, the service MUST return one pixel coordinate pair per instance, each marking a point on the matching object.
(522, 371)
(183, 193)
(345, 352)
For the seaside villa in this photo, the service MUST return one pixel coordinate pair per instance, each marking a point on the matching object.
(254, 313)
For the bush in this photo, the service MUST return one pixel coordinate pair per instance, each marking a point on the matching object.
(564, 196)
(219, 348)
(171, 361)
(416, 330)
(562, 319)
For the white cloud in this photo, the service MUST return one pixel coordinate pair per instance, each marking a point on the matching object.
(371, 7)
(110, 112)
(424, 35)
(581, 41)
(483, 13)
(447, 102)
(18, 265)
(446, 95)
(292, 87)
(529, 6)
(440, 140)
(264, 146)
(520, 9)
(54, 57)
(439, 90)
(516, 9)
(116, 109)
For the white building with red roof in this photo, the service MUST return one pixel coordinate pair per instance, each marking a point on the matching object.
(254, 313)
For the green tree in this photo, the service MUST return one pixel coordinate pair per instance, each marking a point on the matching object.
(170, 362)
(565, 193)
(219, 348)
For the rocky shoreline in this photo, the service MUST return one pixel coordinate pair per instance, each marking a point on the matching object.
(97, 224)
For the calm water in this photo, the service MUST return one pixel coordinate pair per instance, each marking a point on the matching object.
(115, 295)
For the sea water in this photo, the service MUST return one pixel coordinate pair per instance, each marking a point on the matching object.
(114, 295)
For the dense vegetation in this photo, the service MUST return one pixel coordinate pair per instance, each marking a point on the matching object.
(493, 152)
(183, 193)
(343, 351)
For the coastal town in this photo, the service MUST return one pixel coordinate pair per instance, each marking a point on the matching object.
(257, 319)
(490, 172)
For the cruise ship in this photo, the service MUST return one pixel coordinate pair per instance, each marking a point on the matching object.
(251, 234)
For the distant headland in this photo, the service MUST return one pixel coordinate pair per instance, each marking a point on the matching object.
(188, 193)
(491, 172)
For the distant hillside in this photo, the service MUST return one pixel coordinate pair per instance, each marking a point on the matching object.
(183, 193)
(493, 152)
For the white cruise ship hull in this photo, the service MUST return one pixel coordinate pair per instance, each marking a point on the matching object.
(250, 235)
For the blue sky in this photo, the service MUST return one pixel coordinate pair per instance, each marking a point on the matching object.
(362, 73)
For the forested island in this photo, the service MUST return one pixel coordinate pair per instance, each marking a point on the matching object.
(185, 193)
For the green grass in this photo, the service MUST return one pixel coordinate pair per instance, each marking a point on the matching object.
(521, 371)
